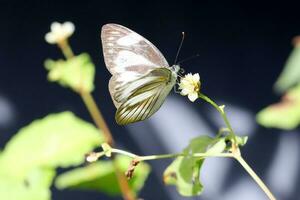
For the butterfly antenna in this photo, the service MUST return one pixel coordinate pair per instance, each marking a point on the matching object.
(189, 58)
(178, 50)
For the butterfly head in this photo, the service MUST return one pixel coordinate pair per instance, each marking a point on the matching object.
(176, 68)
(178, 73)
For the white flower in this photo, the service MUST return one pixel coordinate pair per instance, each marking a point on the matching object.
(190, 86)
(59, 32)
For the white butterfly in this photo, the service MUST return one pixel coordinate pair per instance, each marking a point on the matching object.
(142, 78)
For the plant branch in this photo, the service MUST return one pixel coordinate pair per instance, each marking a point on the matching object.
(236, 155)
(255, 177)
(163, 156)
(235, 148)
(195, 155)
(219, 109)
(98, 118)
(101, 124)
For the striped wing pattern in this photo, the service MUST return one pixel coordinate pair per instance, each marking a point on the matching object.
(141, 98)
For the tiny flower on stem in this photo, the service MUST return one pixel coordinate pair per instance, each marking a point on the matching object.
(92, 157)
(190, 86)
(59, 32)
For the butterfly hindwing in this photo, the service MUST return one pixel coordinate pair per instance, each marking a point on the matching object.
(143, 97)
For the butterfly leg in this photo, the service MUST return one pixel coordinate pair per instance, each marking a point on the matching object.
(176, 89)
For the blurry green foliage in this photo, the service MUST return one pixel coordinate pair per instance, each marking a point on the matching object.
(283, 115)
(290, 75)
(29, 160)
(76, 73)
(58, 140)
(11, 189)
(35, 187)
(101, 176)
(286, 113)
(184, 172)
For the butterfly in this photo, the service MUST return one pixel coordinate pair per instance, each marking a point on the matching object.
(141, 76)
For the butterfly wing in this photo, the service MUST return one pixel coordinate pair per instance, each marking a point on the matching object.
(141, 98)
(141, 75)
(128, 56)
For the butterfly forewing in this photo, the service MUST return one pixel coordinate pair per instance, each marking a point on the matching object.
(126, 51)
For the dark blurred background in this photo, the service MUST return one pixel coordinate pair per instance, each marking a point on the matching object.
(242, 48)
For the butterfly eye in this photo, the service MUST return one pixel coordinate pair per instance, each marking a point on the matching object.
(181, 71)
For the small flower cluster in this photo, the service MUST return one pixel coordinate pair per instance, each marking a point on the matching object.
(190, 86)
(59, 32)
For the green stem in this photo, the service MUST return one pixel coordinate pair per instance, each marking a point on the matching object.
(125, 153)
(164, 156)
(220, 109)
(235, 155)
(195, 155)
(97, 116)
(221, 131)
(66, 49)
(235, 149)
(101, 124)
(255, 177)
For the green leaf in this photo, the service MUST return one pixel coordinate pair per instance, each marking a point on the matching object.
(76, 73)
(11, 189)
(184, 172)
(217, 145)
(41, 177)
(283, 115)
(291, 72)
(101, 176)
(58, 140)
